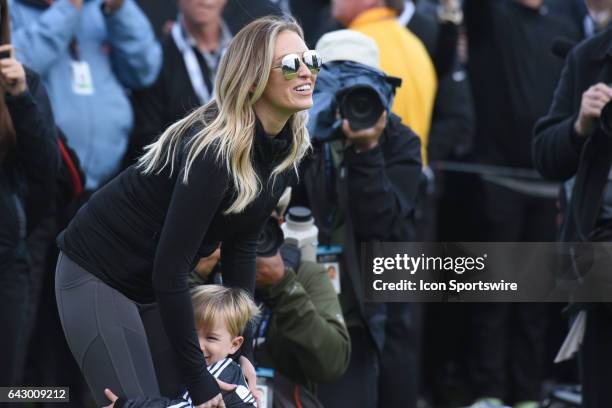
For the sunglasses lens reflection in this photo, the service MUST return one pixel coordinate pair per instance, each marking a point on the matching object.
(312, 61)
(290, 64)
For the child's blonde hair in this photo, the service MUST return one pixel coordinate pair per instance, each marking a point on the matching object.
(233, 305)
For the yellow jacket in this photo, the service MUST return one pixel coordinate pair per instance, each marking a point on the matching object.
(404, 56)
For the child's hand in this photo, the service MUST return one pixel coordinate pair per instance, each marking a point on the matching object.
(112, 397)
(249, 373)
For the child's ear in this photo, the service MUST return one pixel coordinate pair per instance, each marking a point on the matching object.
(236, 343)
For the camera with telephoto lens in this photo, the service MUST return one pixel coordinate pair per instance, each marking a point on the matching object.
(361, 105)
(352, 91)
(270, 239)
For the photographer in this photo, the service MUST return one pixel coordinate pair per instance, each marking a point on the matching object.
(570, 143)
(301, 335)
(402, 55)
(361, 185)
(306, 340)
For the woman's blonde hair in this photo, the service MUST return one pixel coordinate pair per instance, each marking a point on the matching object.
(241, 79)
(214, 303)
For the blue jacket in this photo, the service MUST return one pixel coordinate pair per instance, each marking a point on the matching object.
(121, 51)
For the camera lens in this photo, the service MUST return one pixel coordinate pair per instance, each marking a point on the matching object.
(362, 106)
(270, 239)
(605, 120)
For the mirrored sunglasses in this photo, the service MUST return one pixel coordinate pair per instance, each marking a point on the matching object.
(290, 63)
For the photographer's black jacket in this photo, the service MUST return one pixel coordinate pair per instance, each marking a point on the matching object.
(372, 194)
(142, 234)
(27, 173)
(559, 153)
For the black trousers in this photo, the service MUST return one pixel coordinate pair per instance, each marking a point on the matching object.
(398, 382)
(358, 387)
(507, 350)
(508, 343)
(596, 358)
(14, 292)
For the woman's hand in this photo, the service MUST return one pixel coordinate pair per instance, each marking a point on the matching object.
(112, 397)
(12, 74)
(217, 401)
(249, 373)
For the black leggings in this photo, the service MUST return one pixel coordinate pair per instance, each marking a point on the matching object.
(117, 343)
(14, 293)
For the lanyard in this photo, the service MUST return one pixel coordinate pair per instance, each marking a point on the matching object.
(198, 66)
(191, 63)
(75, 53)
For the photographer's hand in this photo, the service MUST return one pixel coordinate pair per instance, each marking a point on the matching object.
(593, 101)
(206, 265)
(12, 74)
(269, 270)
(364, 139)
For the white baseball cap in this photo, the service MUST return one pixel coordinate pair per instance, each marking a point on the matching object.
(349, 45)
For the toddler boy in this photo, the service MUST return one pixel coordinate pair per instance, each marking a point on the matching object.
(221, 315)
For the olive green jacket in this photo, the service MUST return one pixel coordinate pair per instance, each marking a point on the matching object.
(307, 340)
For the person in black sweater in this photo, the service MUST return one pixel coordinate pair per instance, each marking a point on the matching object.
(212, 177)
(569, 145)
(29, 160)
(513, 76)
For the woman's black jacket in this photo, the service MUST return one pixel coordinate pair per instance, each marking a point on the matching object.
(28, 171)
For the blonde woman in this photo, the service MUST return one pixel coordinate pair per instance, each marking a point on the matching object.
(212, 177)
